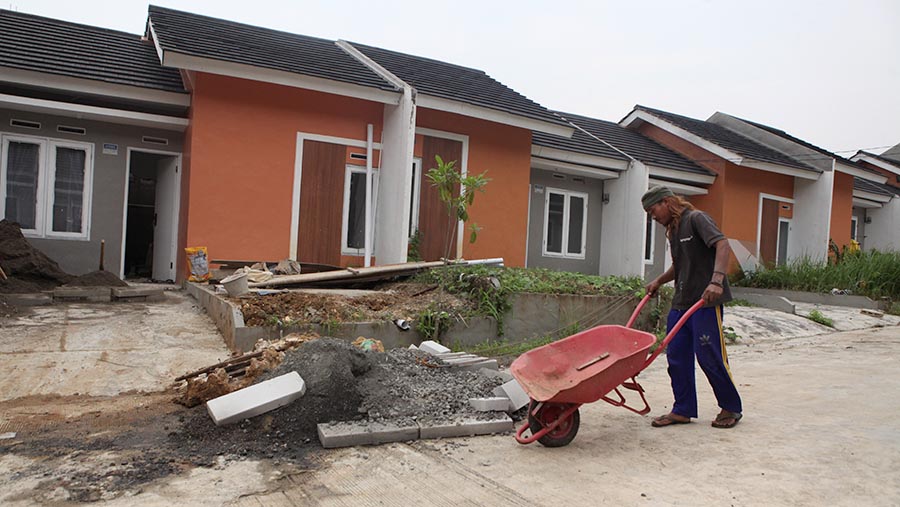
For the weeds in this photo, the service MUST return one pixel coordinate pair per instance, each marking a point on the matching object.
(739, 302)
(730, 334)
(816, 316)
(432, 321)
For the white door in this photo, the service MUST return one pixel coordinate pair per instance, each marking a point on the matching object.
(165, 230)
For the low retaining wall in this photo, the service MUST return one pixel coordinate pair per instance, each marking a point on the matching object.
(771, 298)
(532, 315)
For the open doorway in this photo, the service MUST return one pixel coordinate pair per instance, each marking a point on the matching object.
(151, 216)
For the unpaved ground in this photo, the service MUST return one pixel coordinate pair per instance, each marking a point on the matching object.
(822, 416)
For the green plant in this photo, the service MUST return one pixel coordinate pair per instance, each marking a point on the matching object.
(739, 302)
(730, 334)
(816, 316)
(457, 192)
(331, 325)
(412, 251)
(894, 308)
(432, 321)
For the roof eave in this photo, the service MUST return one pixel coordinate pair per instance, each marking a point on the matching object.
(877, 162)
(779, 169)
(104, 114)
(492, 115)
(578, 158)
(638, 115)
(573, 169)
(664, 172)
(243, 71)
(859, 173)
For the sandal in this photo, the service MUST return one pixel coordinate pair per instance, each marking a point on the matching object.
(667, 420)
(726, 420)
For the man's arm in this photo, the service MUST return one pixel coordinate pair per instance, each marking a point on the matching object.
(661, 280)
(715, 288)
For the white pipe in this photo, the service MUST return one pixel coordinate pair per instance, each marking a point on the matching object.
(498, 261)
(368, 232)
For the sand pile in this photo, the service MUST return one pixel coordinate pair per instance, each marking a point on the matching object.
(28, 269)
(97, 279)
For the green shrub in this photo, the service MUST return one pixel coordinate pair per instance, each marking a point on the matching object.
(816, 316)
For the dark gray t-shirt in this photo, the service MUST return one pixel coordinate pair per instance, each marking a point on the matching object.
(694, 259)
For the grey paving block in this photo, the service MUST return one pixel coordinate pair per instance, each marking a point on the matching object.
(36, 299)
(256, 399)
(518, 398)
(138, 294)
(454, 355)
(82, 294)
(497, 404)
(433, 347)
(347, 434)
(464, 427)
(501, 374)
(483, 363)
(463, 360)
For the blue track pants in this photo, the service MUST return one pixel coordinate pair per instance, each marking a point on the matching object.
(702, 336)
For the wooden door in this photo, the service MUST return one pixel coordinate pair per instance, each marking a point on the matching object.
(434, 223)
(321, 203)
(768, 233)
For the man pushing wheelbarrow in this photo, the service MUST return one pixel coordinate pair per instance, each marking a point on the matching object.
(594, 364)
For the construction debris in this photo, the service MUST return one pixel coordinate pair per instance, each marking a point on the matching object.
(256, 399)
(27, 268)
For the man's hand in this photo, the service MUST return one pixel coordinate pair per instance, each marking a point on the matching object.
(712, 293)
(653, 286)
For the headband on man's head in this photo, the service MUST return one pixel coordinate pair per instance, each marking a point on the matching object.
(654, 195)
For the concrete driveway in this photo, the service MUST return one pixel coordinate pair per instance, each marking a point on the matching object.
(822, 416)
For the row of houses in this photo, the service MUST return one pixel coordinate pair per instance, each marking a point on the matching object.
(261, 144)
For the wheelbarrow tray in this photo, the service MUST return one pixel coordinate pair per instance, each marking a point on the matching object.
(584, 367)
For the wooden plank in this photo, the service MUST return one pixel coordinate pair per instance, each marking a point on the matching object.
(357, 273)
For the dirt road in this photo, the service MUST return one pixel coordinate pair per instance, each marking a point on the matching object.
(821, 426)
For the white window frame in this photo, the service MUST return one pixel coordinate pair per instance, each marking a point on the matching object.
(45, 185)
(781, 220)
(567, 195)
(854, 231)
(349, 170)
(416, 194)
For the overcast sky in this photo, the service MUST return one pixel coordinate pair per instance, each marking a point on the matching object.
(825, 71)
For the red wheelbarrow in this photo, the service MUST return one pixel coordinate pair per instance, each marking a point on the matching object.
(583, 368)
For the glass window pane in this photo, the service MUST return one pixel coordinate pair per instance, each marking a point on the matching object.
(555, 223)
(576, 222)
(356, 215)
(68, 189)
(648, 242)
(21, 183)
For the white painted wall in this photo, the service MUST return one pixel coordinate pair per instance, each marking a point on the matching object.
(395, 181)
(883, 232)
(624, 222)
(812, 218)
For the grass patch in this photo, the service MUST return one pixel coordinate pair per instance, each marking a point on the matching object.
(872, 273)
(816, 316)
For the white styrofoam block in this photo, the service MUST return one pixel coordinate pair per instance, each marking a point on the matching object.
(413, 347)
(256, 399)
(518, 398)
(433, 347)
(497, 404)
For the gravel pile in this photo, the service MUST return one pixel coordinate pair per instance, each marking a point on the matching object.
(343, 383)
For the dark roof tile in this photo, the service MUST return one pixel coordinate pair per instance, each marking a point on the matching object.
(39, 44)
(728, 139)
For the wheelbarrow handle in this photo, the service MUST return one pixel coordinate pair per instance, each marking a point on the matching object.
(637, 310)
(673, 331)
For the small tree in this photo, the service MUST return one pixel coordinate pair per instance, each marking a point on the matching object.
(447, 179)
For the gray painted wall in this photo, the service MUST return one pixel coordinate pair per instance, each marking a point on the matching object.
(109, 173)
(594, 188)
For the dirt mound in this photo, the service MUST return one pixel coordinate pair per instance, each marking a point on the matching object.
(97, 279)
(28, 269)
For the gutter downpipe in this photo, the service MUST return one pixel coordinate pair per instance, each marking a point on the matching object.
(368, 228)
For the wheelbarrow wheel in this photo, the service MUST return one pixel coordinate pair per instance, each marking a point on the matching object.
(550, 412)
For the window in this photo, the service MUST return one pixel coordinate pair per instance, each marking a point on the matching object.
(854, 228)
(45, 186)
(354, 220)
(649, 241)
(414, 196)
(565, 223)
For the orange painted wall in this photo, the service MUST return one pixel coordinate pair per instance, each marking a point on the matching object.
(502, 210)
(841, 209)
(242, 145)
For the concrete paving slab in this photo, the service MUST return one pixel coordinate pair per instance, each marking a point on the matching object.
(256, 399)
(348, 434)
(82, 294)
(483, 363)
(464, 427)
(433, 347)
(132, 294)
(105, 349)
(518, 398)
(496, 404)
(38, 299)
